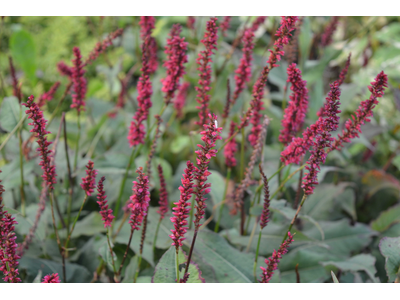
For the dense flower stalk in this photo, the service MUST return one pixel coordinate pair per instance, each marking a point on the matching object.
(272, 261)
(326, 38)
(176, 56)
(137, 129)
(105, 212)
(295, 112)
(163, 202)
(225, 24)
(64, 69)
(204, 61)
(139, 201)
(210, 135)
(16, 89)
(179, 102)
(190, 22)
(256, 106)
(323, 139)
(146, 28)
(265, 212)
(53, 278)
(8, 257)
(78, 98)
(182, 209)
(342, 77)
(291, 51)
(39, 129)
(363, 113)
(257, 22)
(231, 148)
(89, 182)
(48, 96)
(102, 46)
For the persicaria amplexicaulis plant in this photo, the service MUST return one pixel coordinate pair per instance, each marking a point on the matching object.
(89, 182)
(139, 201)
(106, 213)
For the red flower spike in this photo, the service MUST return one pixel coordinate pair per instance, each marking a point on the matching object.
(139, 201)
(204, 61)
(49, 95)
(182, 209)
(265, 212)
(329, 30)
(78, 98)
(39, 129)
(257, 22)
(164, 204)
(64, 69)
(231, 148)
(225, 24)
(272, 261)
(53, 278)
(190, 22)
(146, 29)
(105, 212)
(101, 47)
(295, 112)
(89, 182)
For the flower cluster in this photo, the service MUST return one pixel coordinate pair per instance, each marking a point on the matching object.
(204, 60)
(225, 24)
(181, 211)
(39, 128)
(179, 102)
(257, 22)
(326, 38)
(105, 212)
(16, 89)
(137, 131)
(64, 69)
(8, 257)
(256, 105)
(49, 95)
(363, 112)
(146, 28)
(80, 88)
(176, 56)
(89, 182)
(265, 212)
(209, 136)
(323, 139)
(53, 278)
(139, 201)
(164, 204)
(190, 22)
(295, 112)
(231, 148)
(102, 46)
(272, 261)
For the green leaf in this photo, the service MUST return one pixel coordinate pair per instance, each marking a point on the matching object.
(38, 278)
(23, 51)
(390, 249)
(88, 226)
(180, 143)
(9, 113)
(335, 280)
(305, 40)
(361, 262)
(104, 252)
(387, 219)
(165, 271)
(130, 270)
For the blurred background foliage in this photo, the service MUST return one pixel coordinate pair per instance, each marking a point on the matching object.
(353, 208)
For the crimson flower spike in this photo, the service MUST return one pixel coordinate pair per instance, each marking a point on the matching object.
(225, 24)
(64, 69)
(179, 102)
(321, 131)
(363, 113)
(16, 89)
(78, 98)
(176, 56)
(146, 29)
(272, 261)
(182, 209)
(137, 130)
(256, 106)
(8, 257)
(139, 201)
(265, 212)
(329, 30)
(231, 148)
(53, 278)
(204, 61)
(190, 22)
(243, 72)
(39, 129)
(105, 212)
(48, 96)
(295, 112)
(164, 204)
(257, 22)
(89, 182)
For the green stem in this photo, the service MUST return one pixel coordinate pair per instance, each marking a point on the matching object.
(286, 180)
(71, 182)
(228, 177)
(73, 225)
(53, 115)
(177, 265)
(138, 268)
(295, 217)
(256, 258)
(112, 254)
(156, 234)
(242, 213)
(191, 213)
(77, 143)
(257, 195)
(253, 231)
(21, 168)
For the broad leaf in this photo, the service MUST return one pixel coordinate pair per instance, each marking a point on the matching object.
(386, 219)
(390, 249)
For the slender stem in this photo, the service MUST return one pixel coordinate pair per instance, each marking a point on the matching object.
(295, 216)
(126, 252)
(13, 131)
(59, 212)
(298, 192)
(253, 231)
(138, 268)
(286, 180)
(21, 168)
(191, 213)
(59, 103)
(141, 246)
(228, 177)
(171, 119)
(257, 195)
(156, 234)
(125, 217)
(71, 182)
(177, 265)
(256, 258)
(77, 142)
(73, 225)
(191, 251)
(242, 214)
(111, 252)
(57, 236)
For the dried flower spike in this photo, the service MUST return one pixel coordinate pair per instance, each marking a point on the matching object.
(39, 128)
(53, 278)
(139, 201)
(204, 61)
(89, 182)
(265, 212)
(105, 212)
(164, 204)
